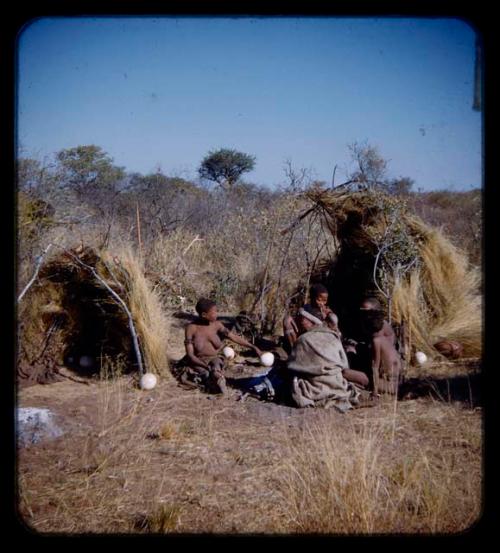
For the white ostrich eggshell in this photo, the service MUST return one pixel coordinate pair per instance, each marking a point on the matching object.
(86, 361)
(267, 359)
(420, 357)
(148, 381)
(228, 352)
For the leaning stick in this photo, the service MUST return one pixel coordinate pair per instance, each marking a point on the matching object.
(297, 220)
(38, 265)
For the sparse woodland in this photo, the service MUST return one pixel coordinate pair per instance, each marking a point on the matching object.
(161, 242)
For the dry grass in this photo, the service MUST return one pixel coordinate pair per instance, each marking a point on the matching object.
(442, 299)
(415, 473)
(151, 322)
(171, 461)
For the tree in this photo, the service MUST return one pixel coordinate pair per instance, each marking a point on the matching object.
(225, 166)
(88, 169)
(371, 166)
(399, 187)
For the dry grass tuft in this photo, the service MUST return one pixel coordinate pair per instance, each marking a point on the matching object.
(164, 520)
(385, 475)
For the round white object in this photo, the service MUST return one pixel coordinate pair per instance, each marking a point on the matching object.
(86, 361)
(420, 357)
(228, 352)
(148, 381)
(267, 359)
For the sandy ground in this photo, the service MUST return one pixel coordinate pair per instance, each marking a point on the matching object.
(206, 463)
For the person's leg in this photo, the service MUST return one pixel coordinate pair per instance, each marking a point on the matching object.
(388, 382)
(357, 377)
(217, 379)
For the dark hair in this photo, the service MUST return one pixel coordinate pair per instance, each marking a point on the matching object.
(372, 320)
(204, 305)
(373, 301)
(316, 290)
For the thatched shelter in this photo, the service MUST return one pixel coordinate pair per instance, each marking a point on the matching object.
(420, 277)
(90, 312)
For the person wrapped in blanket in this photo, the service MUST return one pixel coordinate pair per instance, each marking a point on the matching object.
(204, 363)
(319, 367)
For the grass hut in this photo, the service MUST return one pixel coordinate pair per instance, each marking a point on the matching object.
(90, 311)
(380, 249)
(424, 282)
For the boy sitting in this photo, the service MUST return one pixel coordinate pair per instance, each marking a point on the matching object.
(204, 362)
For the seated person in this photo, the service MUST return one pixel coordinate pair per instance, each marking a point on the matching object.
(204, 362)
(317, 365)
(319, 300)
(386, 362)
(355, 346)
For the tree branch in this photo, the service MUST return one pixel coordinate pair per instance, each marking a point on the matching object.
(37, 268)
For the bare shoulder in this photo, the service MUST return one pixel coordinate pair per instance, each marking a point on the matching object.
(190, 329)
(221, 327)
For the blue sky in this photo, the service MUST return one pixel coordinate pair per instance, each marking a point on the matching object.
(162, 92)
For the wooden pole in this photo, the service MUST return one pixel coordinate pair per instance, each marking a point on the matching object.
(139, 228)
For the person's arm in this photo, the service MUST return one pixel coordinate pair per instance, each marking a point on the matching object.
(189, 344)
(290, 324)
(290, 330)
(242, 342)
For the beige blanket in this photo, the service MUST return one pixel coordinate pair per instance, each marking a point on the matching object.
(317, 361)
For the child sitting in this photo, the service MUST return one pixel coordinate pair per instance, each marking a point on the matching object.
(319, 301)
(204, 362)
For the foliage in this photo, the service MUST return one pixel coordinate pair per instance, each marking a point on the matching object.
(396, 247)
(87, 169)
(371, 166)
(401, 186)
(225, 166)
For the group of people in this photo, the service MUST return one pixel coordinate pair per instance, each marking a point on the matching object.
(322, 367)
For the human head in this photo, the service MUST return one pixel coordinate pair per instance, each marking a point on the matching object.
(206, 309)
(372, 321)
(370, 303)
(318, 294)
(309, 317)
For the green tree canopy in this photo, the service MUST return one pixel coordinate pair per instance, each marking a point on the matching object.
(225, 166)
(88, 168)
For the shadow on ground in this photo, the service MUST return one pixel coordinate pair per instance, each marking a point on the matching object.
(466, 389)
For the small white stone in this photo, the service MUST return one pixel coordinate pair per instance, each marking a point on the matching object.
(148, 381)
(267, 359)
(420, 357)
(228, 352)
